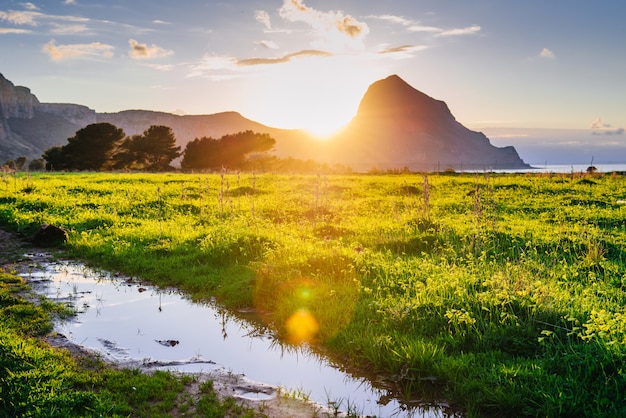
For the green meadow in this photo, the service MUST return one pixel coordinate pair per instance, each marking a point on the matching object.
(502, 293)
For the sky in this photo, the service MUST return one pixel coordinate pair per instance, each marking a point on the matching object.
(556, 64)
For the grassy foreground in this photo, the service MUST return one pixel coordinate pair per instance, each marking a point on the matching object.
(504, 292)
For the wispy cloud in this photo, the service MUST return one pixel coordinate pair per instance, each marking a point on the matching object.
(402, 51)
(20, 17)
(267, 44)
(63, 52)
(263, 18)
(214, 66)
(5, 31)
(61, 29)
(69, 2)
(30, 6)
(334, 29)
(460, 32)
(600, 128)
(546, 53)
(283, 59)
(417, 26)
(143, 51)
(161, 67)
(161, 22)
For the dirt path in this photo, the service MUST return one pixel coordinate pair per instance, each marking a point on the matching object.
(273, 403)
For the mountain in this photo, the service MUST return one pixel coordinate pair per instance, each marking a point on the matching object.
(396, 126)
(399, 126)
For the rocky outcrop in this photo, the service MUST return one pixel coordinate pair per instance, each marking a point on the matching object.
(16, 102)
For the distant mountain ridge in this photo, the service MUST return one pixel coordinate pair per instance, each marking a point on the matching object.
(396, 126)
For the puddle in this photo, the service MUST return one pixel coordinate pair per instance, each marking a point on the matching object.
(129, 322)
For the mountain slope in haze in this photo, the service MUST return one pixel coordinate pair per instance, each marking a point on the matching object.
(399, 126)
(396, 126)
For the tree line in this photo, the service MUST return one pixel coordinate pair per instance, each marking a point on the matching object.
(103, 147)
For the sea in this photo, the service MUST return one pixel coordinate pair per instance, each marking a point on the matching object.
(563, 168)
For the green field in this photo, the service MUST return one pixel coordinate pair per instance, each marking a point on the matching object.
(502, 293)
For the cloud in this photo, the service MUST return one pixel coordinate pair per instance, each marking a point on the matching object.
(32, 18)
(60, 29)
(30, 6)
(143, 51)
(161, 67)
(283, 59)
(335, 29)
(597, 124)
(600, 128)
(263, 17)
(546, 53)
(5, 31)
(268, 44)
(460, 32)
(402, 51)
(20, 18)
(161, 22)
(212, 63)
(416, 26)
(68, 2)
(618, 131)
(62, 52)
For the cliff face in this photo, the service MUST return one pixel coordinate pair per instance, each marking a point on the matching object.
(28, 127)
(16, 102)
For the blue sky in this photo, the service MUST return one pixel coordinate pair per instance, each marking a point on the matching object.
(556, 64)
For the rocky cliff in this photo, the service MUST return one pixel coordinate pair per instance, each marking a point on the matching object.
(28, 127)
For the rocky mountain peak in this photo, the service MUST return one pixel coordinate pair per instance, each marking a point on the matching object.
(394, 98)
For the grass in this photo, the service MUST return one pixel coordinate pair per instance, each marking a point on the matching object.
(502, 293)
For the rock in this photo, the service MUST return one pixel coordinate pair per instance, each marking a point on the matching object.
(168, 343)
(49, 236)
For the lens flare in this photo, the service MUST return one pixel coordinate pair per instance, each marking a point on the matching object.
(301, 327)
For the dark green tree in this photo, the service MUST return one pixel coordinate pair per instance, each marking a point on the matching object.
(55, 160)
(202, 153)
(37, 165)
(91, 148)
(230, 151)
(154, 150)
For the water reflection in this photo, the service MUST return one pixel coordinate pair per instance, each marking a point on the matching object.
(128, 321)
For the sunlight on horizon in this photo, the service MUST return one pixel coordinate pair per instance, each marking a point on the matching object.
(319, 95)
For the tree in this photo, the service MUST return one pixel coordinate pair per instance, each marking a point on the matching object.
(55, 160)
(20, 162)
(230, 151)
(202, 153)
(153, 151)
(91, 148)
(37, 165)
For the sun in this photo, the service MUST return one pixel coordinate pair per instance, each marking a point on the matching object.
(318, 94)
